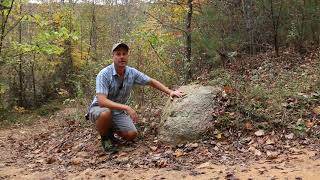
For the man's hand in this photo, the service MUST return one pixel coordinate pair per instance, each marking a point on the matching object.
(158, 85)
(176, 93)
(132, 113)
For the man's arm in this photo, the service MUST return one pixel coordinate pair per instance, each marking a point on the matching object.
(158, 85)
(103, 101)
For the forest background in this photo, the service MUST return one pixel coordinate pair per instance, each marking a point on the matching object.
(51, 51)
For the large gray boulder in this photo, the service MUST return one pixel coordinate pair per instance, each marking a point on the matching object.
(186, 119)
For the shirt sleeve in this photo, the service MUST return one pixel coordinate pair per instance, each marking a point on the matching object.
(140, 78)
(101, 84)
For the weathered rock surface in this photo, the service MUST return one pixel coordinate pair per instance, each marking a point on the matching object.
(186, 119)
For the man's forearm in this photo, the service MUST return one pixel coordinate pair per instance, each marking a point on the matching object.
(158, 85)
(105, 102)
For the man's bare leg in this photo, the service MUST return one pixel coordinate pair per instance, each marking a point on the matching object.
(104, 123)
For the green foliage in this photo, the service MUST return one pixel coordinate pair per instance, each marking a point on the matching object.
(157, 50)
(219, 29)
(6, 3)
(46, 42)
(300, 126)
(220, 77)
(3, 89)
(49, 108)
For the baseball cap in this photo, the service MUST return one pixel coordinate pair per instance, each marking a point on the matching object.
(115, 46)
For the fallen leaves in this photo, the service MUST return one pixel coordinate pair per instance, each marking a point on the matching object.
(192, 145)
(259, 133)
(179, 153)
(248, 125)
(272, 155)
(51, 160)
(289, 136)
(205, 165)
(309, 123)
(79, 148)
(270, 141)
(316, 110)
(77, 161)
(228, 90)
(255, 151)
(161, 163)
(218, 136)
(153, 148)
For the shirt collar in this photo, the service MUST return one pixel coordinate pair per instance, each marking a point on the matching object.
(114, 72)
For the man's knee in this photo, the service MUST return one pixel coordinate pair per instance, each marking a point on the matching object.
(104, 121)
(130, 135)
(106, 115)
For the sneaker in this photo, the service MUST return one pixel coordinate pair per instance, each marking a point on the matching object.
(114, 140)
(107, 145)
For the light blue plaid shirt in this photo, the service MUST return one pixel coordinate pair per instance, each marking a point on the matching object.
(108, 82)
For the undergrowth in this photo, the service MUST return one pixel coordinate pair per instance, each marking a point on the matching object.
(276, 94)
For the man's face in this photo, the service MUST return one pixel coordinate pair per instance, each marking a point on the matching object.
(120, 57)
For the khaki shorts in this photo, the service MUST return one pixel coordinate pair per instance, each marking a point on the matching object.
(120, 120)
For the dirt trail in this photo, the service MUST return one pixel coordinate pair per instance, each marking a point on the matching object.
(60, 149)
(300, 166)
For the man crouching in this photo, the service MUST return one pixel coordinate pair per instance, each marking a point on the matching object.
(113, 86)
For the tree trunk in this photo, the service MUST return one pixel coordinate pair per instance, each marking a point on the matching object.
(275, 24)
(247, 9)
(188, 41)
(81, 41)
(4, 21)
(34, 80)
(93, 33)
(315, 25)
(21, 94)
(302, 29)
